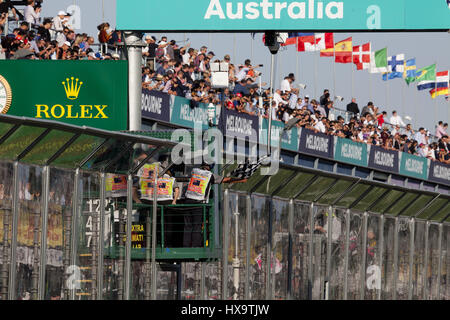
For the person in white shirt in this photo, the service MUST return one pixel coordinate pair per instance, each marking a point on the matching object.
(58, 21)
(293, 99)
(32, 15)
(278, 99)
(187, 56)
(320, 125)
(420, 136)
(286, 84)
(242, 73)
(396, 120)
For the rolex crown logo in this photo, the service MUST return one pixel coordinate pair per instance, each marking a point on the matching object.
(72, 88)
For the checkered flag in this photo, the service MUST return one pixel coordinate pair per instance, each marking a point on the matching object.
(247, 169)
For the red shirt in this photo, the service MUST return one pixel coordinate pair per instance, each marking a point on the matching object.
(380, 119)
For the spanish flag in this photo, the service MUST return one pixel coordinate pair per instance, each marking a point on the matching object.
(342, 51)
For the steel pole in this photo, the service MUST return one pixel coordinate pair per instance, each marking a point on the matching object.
(154, 221)
(134, 47)
(44, 215)
(14, 230)
(236, 261)
(269, 131)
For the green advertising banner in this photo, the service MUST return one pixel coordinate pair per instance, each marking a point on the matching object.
(289, 139)
(413, 166)
(352, 152)
(183, 113)
(83, 93)
(223, 15)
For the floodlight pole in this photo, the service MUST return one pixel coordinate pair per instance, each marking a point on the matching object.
(133, 45)
(269, 131)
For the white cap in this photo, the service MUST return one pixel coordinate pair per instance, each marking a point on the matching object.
(92, 54)
(116, 56)
(67, 43)
(61, 13)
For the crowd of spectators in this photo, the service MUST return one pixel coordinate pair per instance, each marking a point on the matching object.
(54, 38)
(185, 71)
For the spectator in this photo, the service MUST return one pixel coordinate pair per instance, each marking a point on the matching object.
(32, 12)
(286, 84)
(325, 98)
(353, 107)
(104, 36)
(58, 22)
(43, 30)
(2, 50)
(4, 10)
(396, 120)
(440, 129)
(420, 137)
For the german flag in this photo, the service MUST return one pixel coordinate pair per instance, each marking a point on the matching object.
(342, 51)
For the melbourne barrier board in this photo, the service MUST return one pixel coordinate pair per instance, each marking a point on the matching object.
(83, 93)
(242, 15)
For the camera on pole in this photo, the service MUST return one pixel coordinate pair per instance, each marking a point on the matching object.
(273, 40)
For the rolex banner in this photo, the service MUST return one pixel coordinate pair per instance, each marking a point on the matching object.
(83, 93)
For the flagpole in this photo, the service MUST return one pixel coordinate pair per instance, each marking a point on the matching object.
(387, 93)
(251, 47)
(297, 71)
(435, 99)
(315, 74)
(334, 70)
(353, 81)
(403, 100)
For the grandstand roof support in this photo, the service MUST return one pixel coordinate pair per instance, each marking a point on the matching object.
(409, 205)
(326, 190)
(365, 193)
(307, 185)
(350, 189)
(133, 46)
(427, 206)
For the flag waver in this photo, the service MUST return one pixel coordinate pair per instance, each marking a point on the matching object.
(441, 87)
(426, 77)
(379, 61)
(361, 56)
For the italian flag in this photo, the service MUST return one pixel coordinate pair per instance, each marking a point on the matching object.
(379, 61)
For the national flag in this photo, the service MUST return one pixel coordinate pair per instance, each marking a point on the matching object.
(342, 51)
(396, 67)
(410, 71)
(378, 61)
(426, 77)
(441, 87)
(361, 56)
(306, 42)
(292, 38)
(315, 42)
